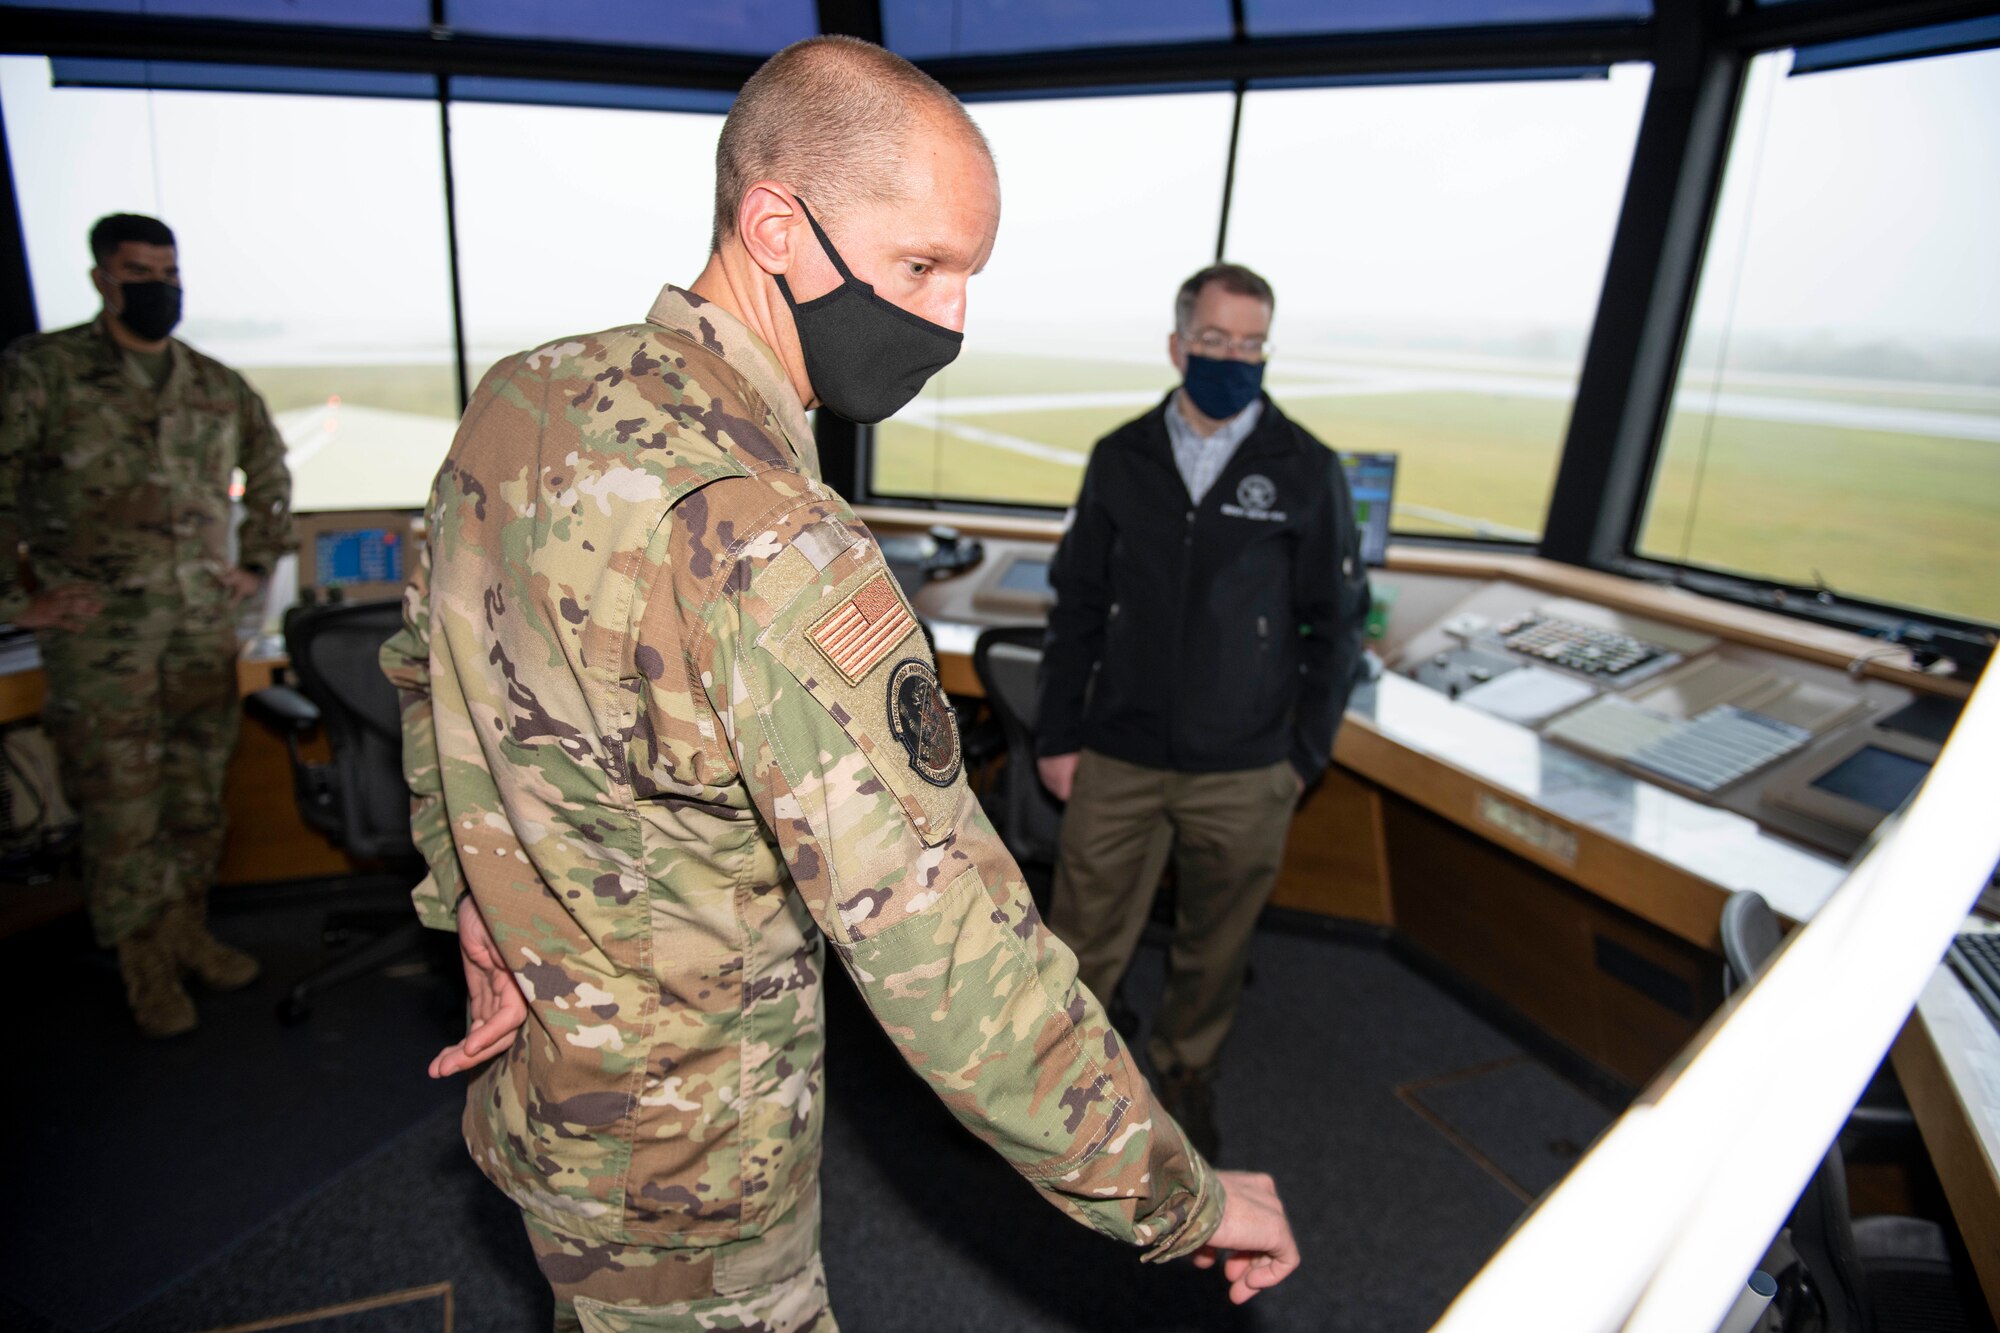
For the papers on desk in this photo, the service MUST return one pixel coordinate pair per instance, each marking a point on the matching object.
(1529, 696)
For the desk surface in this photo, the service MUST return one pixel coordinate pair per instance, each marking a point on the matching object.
(1661, 855)
(1718, 847)
(1948, 1060)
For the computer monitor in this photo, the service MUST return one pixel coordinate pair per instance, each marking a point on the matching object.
(1015, 583)
(354, 556)
(1372, 479)
(1853, 782)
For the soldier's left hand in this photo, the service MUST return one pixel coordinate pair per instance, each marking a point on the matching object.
(498, 1007)
(241, 583)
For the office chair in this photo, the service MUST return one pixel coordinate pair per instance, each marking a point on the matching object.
(1867, 1275)
(1006, 660)
(359, 798)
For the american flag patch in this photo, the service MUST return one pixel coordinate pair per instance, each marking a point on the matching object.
(859, 632)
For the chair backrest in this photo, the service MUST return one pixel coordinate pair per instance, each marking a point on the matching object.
(335, 656)
(1007, 661)
(1821, 1230)
(1750, 935)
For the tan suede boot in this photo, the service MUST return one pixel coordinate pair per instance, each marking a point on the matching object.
(152, 974)
(219, 966)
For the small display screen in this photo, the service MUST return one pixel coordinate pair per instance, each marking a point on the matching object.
(361, 555)
(1026, 576)
(1879, 779)
(1372, 480)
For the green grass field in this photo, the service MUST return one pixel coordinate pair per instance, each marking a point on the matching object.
(428, 390)
(1902, 519)
(1472, 455)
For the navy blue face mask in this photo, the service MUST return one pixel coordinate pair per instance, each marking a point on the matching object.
(866, 356)
(1222, 388)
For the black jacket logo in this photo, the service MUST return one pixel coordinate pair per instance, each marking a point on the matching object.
(1255, 495)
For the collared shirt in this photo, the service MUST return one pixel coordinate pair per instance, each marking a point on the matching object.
(1201, 458)
(670, 722)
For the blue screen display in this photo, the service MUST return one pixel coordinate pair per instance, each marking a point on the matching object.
(1372, 479)
(363, 555)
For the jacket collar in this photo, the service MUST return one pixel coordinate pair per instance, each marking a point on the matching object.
(716, 333)
(1268, 436)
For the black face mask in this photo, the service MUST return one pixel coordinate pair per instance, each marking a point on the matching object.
(151, 308)
(1222, 388)
(866, 356)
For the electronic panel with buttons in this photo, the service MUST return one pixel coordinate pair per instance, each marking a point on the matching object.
(1799, 747)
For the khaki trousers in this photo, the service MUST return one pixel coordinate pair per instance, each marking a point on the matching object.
(770, 1283)
(1226, 832)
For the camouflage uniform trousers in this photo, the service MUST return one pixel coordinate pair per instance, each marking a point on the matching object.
(771, 1283)
(144, 713)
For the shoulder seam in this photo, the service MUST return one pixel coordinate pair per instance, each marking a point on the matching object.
(732, 555)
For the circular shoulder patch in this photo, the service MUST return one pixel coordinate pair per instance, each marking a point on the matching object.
(921, 718)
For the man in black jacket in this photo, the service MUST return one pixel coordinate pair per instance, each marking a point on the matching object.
(1206, 634)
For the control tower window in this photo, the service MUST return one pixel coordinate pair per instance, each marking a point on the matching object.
(1066, 330)
(311, 238)
(1837, 416)
(1437, 251)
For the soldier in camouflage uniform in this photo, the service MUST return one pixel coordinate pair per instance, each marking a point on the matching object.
(671, 728)
(117, 448)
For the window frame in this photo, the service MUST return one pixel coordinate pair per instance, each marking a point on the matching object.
(1893, 623)
(1633, 354)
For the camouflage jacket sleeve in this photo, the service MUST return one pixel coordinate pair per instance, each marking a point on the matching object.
(406, 660)
(23, 401)
(825, 691)
(266, 533)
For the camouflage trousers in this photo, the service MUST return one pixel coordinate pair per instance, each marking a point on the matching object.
(143, 724)
(771, 1283)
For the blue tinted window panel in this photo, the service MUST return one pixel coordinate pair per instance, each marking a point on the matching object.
(1294, 18)
(1939, 39)
(1553, 74)
(322, 13)
(620, 96)
(1120, 90)
(738, 27)
(926, 29)
(185, 76)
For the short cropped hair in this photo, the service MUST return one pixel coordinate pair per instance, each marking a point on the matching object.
(832, 117)
(1233, 277)
(111, 232)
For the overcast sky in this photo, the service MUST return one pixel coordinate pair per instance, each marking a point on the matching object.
(316, 224)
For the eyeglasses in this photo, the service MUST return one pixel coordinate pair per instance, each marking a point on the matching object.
(1216, 343)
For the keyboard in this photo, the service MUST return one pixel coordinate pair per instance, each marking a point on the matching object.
(1722, 745)
(1705, 753)
(1975, 956)
(1581, 648)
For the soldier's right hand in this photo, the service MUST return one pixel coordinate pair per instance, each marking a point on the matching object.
(1254, 1239)
(69, 607)
(498, 1007)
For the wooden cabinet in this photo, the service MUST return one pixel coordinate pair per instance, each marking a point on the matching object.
(1619, 991)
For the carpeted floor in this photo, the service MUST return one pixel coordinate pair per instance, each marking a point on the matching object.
(132, 1162)
(314, 1166)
